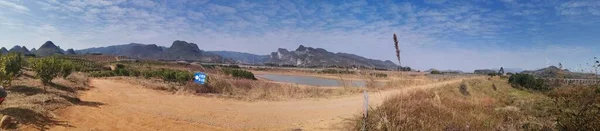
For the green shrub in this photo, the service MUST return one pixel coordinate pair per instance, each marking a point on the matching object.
(166, 74)
(66, 67)
(527, 81)
(436, 72)
(492, 74)
(382, 75)
(10, 67)
(334, 71)
(48, 68)
(239, 73)
(121, 72)
(101, 74)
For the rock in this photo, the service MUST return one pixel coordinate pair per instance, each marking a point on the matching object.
(6, 122)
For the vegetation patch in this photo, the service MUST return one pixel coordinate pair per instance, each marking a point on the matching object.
(380, 75)
(334, 71)
(238, 73)
(446, 108)
(527, 81)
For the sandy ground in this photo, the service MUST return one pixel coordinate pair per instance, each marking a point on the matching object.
(131, 107)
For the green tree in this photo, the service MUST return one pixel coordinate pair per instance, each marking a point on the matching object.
(47, 69)
(10, 67)
(66, 67)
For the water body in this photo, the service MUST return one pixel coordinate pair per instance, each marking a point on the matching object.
(308, 80)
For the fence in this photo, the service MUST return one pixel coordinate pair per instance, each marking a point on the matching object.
(572, 81)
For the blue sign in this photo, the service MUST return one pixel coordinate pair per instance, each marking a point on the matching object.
(200, 78)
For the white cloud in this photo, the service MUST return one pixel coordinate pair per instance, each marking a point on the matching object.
(14, 6)
(221, 9)
(144, 3)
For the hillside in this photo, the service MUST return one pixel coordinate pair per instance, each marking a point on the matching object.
(20, 49)
(48, 49)
(3, 51)
(308, 56)
(555, 72)
(240, 57)
(179, 50)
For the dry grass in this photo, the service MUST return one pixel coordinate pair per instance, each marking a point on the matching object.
(261, 90)
(242, 89)
(31, 107)
(447, 108)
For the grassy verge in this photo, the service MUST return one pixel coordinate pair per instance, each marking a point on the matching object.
(473, 105)
(31, 107)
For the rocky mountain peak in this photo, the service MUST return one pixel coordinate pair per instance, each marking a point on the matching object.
(183, 45)
(70, 52)
(301, 48)
(49, 44)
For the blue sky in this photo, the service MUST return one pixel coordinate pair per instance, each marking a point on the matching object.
(442, 34)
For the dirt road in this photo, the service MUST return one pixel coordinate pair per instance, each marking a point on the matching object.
(131, 107)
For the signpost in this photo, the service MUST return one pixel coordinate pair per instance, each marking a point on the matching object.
(200, 78)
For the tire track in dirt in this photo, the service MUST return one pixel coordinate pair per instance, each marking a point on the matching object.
(132, 107)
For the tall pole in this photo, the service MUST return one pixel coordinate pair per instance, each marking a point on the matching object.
(397, 49)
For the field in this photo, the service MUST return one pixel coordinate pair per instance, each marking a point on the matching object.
(103, 94)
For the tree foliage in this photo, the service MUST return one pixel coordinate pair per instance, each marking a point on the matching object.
(50, 67)
(527, 81)
(10, 67)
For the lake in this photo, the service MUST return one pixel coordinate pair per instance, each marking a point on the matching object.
(308, 80)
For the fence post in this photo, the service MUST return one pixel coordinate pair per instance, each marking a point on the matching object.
(366, 114)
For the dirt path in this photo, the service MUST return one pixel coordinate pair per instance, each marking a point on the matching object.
(131, 107)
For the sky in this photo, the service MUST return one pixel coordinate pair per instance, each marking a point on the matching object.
(441, 34)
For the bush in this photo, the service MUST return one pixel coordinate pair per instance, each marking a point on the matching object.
(492, 74)
(527, 81)
(47, 69)
(239, 73)
(436, 72)
(334, 71)
(66, 67)
(101, 74)
(577, 108)
(382, 75)
(10, 67)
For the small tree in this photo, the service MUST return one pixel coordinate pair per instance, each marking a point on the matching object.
(66, 67)
(595, 64)
(10, 68)
(47, 69)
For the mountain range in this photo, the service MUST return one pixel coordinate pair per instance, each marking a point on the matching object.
(555, 72)
(241, 57)
(179, 50)
(47, 49)
(182, 50)
(308, 56)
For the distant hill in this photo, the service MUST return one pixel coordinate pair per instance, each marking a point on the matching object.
(19, 49)
(48, 49)
(179, 50)
(445, 71)
(485, 71)
(308, 56)
(3, 51)
(241, 57)
(70, 52)
(555, 72)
